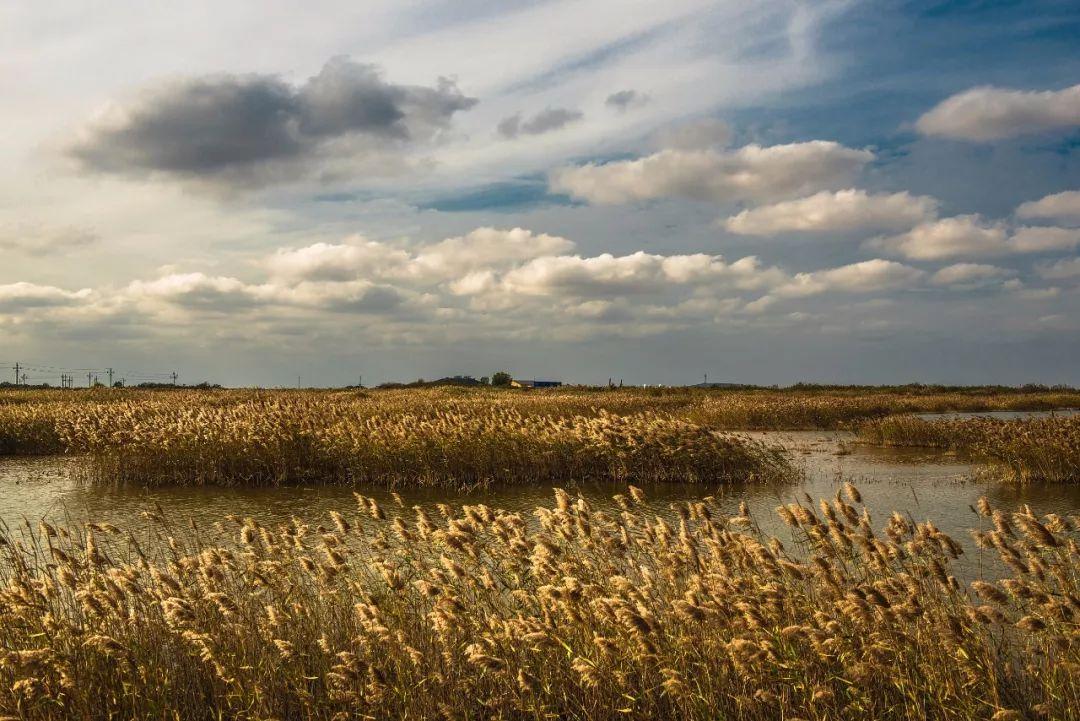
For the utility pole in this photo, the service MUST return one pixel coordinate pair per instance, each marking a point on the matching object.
(16, 372)
(174, 377)
(89, 379)
(110, 377)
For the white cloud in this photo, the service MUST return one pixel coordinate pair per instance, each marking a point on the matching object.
(1039, 293)
(607, 274)
(201, 293)
(484, 247)
(968, 275)
(487, 284)
(350, 296)
(868, 276)
(435, 262)
(22, 295)
(1041, 239)
(989, 113)
(475, 283)
(39, 239)
(1017, 288)
(840, 211)
(336, 261)
(695, 135)
(1064, 269)
(1059, 207)
(198, 290)
(946, 238)
(750, 172)
(970, 235)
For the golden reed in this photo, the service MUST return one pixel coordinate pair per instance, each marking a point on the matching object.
(1037, 450)
(384, 611)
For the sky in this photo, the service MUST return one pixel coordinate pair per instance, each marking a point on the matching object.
(256, 192)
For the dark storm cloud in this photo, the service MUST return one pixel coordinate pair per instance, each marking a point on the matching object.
(198, 126)
(543, 122)
(234, 127)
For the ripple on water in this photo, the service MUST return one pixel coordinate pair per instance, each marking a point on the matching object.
(925, 483)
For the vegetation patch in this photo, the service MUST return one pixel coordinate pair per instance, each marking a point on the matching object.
(472, 612)
(279, 441)
(1045, 450)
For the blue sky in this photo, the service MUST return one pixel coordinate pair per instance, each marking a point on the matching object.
(582, 189)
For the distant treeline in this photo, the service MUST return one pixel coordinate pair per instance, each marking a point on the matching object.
(7, 385)
(932, 388)
(469, 381)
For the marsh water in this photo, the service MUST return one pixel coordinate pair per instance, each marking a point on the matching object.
(926, 483)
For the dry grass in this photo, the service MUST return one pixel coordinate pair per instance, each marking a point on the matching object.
(451, 437)
(1037, 450)
(476, 613)
(289, 440)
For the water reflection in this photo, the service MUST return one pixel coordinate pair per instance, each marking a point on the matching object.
(926, 484)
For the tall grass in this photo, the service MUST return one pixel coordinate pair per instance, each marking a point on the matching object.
(453, 437)
(388, 612)
(1045, 450)
(276, 441)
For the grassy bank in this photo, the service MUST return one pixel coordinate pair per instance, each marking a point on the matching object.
(477, 613)
(1045, 450)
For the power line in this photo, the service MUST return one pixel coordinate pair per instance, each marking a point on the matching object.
(41, 372)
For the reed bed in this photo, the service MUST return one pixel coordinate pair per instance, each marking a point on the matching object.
(1036, 450)
(471, 612)
(451, 437)
(29, 430)
(722, 409)
(278, 441)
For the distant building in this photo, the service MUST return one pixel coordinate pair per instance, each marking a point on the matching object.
(535, 384)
